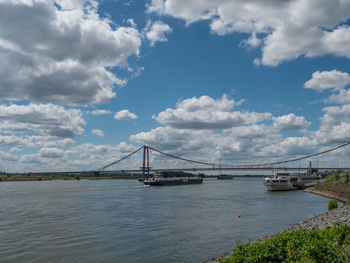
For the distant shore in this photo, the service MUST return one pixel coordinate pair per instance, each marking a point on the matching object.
(64, 177)
(13, 177)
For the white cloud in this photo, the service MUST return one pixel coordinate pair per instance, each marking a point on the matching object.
(290, 147)
(51, 152)
(8, 156)
(46, 119)
(342, 97)
(15, 149)
(290, 122)
(286, 29)
(35, 141)
(61, 52)
(156, 31)
(125, 115)
(98, 133)
(335, 125)
(334, 80)
(206, 113)
(328, 80)
(100, 112)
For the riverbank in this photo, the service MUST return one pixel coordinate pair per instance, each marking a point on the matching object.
(326, 193)
(336, 186)
(327, 219)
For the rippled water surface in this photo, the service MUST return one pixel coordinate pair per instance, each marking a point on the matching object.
(124, 221)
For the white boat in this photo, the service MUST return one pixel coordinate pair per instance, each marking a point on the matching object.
(285, 181)
(280, 183)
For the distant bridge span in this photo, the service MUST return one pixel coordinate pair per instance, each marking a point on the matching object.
(224, 169)
(286, 165)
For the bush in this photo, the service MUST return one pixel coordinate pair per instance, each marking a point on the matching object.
(332, 204)
(303, 245)
(347, 179)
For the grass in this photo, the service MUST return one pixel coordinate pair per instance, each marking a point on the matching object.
(336, 183)
(328, 245)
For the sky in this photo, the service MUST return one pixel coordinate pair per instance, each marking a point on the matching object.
(85, 82)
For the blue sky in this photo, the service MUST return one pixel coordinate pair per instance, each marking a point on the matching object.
(85, 82)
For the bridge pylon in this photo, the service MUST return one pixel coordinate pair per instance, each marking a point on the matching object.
(145, 169)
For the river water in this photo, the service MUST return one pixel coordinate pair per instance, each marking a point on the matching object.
(125, 221)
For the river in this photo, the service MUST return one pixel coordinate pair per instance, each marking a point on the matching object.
(125, 221)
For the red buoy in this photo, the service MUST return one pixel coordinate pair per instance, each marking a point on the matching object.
(239, 215)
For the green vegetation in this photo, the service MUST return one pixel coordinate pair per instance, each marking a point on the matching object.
(332, 204)
(347, 197)
(337, 184)
(328, 245)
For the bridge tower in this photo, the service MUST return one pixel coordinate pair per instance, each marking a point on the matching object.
(145, 169)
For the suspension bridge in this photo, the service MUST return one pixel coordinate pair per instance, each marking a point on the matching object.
(147, 159)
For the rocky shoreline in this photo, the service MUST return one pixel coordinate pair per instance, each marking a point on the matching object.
(338, 215)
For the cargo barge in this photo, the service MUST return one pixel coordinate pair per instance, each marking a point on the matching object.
(172, 181)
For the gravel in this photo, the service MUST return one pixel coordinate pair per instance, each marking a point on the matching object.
(341, 214)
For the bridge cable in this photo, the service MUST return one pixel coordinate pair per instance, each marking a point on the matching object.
(306, 157)
(104, 167)
(180, 158)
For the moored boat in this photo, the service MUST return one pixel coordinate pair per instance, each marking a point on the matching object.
(283, 182)
(280, 183)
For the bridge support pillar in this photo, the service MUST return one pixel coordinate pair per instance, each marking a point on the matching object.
(145, 169)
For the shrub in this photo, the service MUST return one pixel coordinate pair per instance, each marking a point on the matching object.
(303, 245)
(337, 176)
(347, 179)
(332, 204)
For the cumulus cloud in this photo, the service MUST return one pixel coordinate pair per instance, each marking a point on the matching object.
(8, 156)
(125, 115)
(286, 29)
(93, 156)
(46, 119)
(98, 133)
(61, 51)
(335, 125)
(206, 113)
(291, 146)
(328, 80)
(334, 80)
(51, 153)
(181, 142)
(35, 141)
(290, 122)
(156, 32)
(341, 97)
